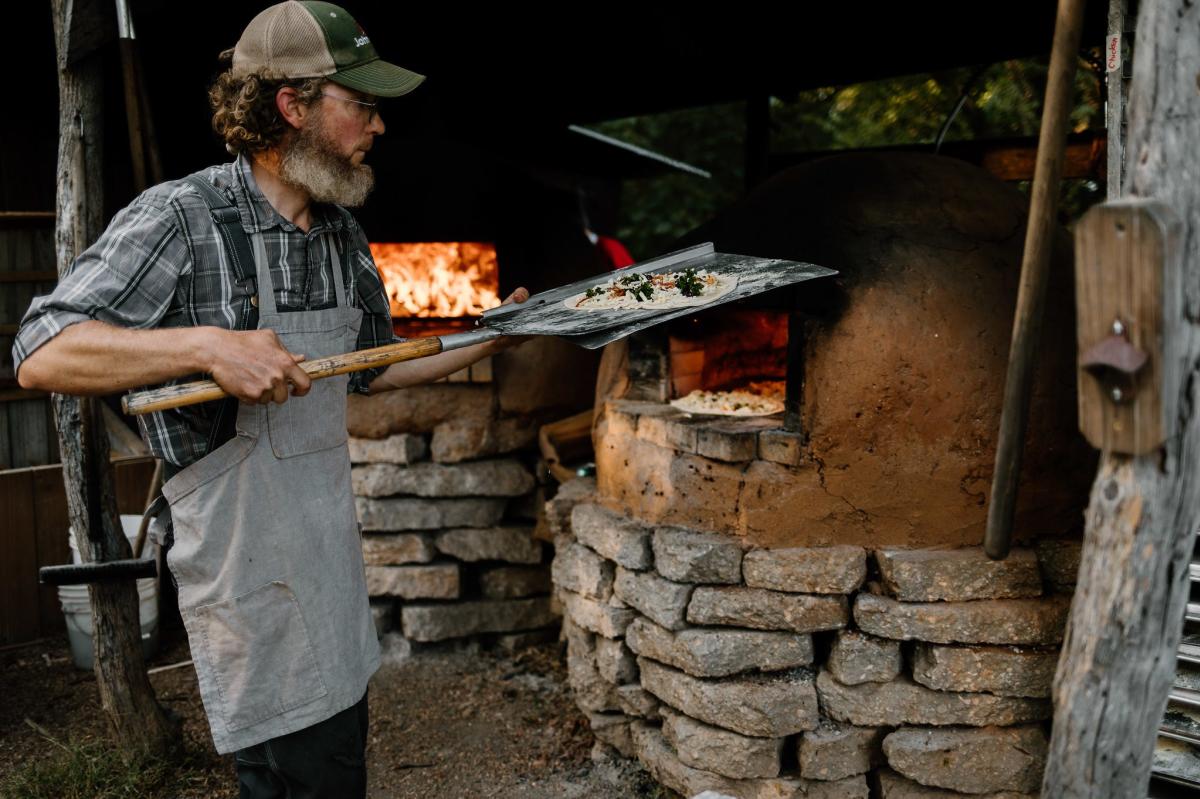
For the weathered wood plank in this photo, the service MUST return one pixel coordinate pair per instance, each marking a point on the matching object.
(50, 513)
(18, 592)
(5, 447)
(27, 431)
(1118, 657)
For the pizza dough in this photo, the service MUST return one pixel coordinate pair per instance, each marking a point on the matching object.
(652, 291)
(729, 403)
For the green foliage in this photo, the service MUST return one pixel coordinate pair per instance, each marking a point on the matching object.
(1004, 100)
(95, 770)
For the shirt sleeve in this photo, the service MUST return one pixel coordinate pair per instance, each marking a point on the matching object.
(372, 298)
(127, 278)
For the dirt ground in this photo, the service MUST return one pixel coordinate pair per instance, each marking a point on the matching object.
(444, 723)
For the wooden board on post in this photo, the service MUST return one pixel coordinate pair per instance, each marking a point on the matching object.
(1127, 287)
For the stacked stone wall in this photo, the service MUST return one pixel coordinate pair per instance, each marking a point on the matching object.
(836, 671)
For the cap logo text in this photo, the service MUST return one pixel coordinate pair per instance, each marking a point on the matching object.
(359, 41)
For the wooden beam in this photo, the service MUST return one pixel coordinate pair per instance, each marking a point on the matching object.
(29, 276)
(26, 219)
(88, 26)
(1118, 661)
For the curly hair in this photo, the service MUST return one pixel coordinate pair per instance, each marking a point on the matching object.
(244, 112)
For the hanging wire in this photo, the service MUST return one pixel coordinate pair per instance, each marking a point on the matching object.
(962, 100)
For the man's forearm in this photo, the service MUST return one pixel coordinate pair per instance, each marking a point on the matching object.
(97, 358)
(433, 367)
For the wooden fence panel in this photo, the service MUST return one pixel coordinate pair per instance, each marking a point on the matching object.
(50, 535)
(19, 613)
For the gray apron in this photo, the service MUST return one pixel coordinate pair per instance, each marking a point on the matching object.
(268, 552)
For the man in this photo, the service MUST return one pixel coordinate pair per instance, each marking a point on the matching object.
(263, 544)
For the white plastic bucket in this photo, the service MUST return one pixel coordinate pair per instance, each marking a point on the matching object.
(77, 607)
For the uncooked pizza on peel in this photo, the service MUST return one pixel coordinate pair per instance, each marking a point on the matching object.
(640, 291)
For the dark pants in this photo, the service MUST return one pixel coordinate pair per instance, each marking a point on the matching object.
(326, 760)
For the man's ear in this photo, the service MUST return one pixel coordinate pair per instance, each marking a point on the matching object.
(287, 101)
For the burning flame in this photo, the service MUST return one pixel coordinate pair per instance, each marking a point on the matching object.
(439, 279)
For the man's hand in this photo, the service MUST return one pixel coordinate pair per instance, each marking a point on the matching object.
(507, 342)
(255, 367)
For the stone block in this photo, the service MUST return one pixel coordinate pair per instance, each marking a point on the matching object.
(613, 535)
(663, 601)
(891, 785)
(902, 701)
(688, 556)
(970, 760)
(397, 549)
(515, 642)
(638, 702)
(615, 662)
(835, 751)
(612, 729)
(597, 617)
(986, 621)
(558, 509)
(383, 613)
(412, 513)
(418, 409)
(422, 622)
(545, 372)
(402, 448)
(714, 749)
(579, 569)
(856, 658)
(589, 689)
(508, 544)
(718, 652)
(763, 706)
(1001, 670)
(1059, 563)
(760, 609)
(489, 478)
(732, 441)
(806, 570)
(780, 446)
(457, 440)
(660, 760)
(514, 582)
(432, 581)
(670, 429)
(956, 575)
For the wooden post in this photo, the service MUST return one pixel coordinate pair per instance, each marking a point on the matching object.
(1035, 272)
(135, 717)
(1118, 659)
(1117, 94)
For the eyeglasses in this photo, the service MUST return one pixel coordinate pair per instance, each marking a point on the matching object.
(372, 108)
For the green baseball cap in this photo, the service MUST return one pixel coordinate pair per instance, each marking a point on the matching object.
(310, 39)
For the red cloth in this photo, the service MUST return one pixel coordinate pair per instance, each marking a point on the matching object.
(615, 251)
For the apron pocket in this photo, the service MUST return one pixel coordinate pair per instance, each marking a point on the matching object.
(314, 422)
(258, 649)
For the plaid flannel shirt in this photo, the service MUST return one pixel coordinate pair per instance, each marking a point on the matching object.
(161, 263)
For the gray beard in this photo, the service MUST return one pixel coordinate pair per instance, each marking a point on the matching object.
(312, 165)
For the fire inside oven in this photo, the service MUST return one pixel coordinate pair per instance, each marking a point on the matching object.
(437, 287)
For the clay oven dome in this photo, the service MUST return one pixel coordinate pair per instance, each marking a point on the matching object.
(905, 362)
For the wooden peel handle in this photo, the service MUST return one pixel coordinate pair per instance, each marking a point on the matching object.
(160, 399)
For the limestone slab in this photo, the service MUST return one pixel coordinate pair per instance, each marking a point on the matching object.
(402, 448)
(764, 706)
(971, 760)
(661, 600)
(688, 556)
(414, 513)
(397, 549)
(1002, 670)
(613, 535)
(781, 446)
(835, 751)
(719, 652)
(638, 702)
(589, 689)
(558, 508)
(894, 786)
(427, 622)
(761, 609)
(509, 544)
(612, 729)
(856, 658)
(418, 409)
(660, 760)
(806, 570)
(457, 440)
(956, 575)
(489, 478)
(729, 754)
(902, 701)
(597, 617)
(988, 621)
(577, 568)
(615, 661)
(432, 581)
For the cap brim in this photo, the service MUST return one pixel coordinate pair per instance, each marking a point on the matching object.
(378, 78)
